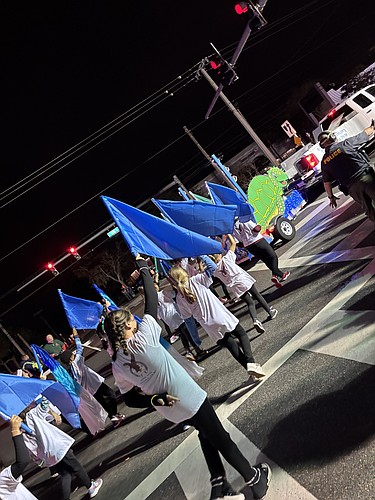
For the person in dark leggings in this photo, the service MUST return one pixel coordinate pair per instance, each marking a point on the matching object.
(139, 360)
(195, 299)
(248, 233)
(240, 283)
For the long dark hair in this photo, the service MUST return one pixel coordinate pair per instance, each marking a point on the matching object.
(114, 326)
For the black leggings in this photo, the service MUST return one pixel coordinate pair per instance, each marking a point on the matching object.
(107, 398)
(242, 352)
(67, 467)
(214, 439)
(248, 298)
(267, 254)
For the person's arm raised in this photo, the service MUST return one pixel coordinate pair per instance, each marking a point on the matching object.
(151, 297)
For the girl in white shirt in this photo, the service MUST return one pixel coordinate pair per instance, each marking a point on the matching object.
(195, 299)
(240, 283)
(140, 360)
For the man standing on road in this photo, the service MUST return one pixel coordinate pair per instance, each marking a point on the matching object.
(53, 346)
(343, 162)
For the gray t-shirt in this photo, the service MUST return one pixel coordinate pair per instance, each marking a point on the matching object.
(343, 162)
(150, 367)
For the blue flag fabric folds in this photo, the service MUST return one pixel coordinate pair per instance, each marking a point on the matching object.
(222, 195)
(16, 393)
(113, 306)
(81, 314)
(146, 234)
(203, 218)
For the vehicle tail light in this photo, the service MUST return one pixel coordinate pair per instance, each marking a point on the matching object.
(307, 162)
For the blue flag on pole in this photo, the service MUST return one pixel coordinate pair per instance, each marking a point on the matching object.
(203, 218)
(113, 306)
(16, 393)
(81, 314)
(222, 195)
(146, 234)
(60, 374)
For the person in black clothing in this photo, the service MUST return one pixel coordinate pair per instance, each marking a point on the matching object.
(345, 163)
(11, 486)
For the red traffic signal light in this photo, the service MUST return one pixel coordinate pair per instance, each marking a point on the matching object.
(241, 7)
(73, 251)
(223, 69)
(51, 267)
(253, 14)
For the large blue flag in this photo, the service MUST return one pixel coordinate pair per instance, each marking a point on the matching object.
(16, 393)
(203, 218)
(82, 314)
(113, 306)
(149, 235)
(60, 374)
(222, 195)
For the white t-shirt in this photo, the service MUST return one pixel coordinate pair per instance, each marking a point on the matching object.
(233, 276)
(49, 444)
(207, 309)
(150, 367)
(243, 232)
(167, 310)
(12, 488)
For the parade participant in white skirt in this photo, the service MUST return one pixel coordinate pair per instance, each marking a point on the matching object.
(139, 360)
(49, 446)
(240, 283)
(195, 299)
(91, 381)
(11, 487)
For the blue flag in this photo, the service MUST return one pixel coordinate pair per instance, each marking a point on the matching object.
(113, 306)
(16, 393)
(222, 195)
(203, 218)
(59, 372)
(81, 314)
(149, 235)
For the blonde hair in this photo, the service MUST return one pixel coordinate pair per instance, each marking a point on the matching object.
(114, 327)
(180, 279)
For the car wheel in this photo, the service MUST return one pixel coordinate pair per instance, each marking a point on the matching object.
(284, 229)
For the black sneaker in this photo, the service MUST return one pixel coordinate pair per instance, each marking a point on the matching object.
(259, 485)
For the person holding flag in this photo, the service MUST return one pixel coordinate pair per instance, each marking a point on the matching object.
(91, 381)
(138, 359)
(11, 487)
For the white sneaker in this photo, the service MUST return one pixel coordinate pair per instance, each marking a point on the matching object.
(255, 370)
(273, 313)
(236, 496)
(95, 487)
(173, 339)
(258, 326)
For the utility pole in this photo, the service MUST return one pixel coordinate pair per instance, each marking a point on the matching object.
(267, 153)
(186, 191)
(11, 340)
(225, 178)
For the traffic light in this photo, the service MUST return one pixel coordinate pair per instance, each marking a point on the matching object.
(51, 267)
(223, 69)
(253, 14)
(73, 251)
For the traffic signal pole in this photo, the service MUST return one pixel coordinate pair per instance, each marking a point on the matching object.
(267, 153)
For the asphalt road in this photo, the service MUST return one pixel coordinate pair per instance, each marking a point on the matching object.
(313, 416)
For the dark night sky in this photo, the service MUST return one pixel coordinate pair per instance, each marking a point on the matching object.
(70, 67)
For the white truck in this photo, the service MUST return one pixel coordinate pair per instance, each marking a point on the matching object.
(350, 116)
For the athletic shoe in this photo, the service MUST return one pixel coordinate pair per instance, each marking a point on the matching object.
(55, 474)
(95, 487)
(285, 276)
(117, 420)
(186, 427)
(258, 326)
(223, 300)
(273, 313)
(259, 484)
(276, 281)
(255, 370)
(190, 356)
(173, 339)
